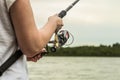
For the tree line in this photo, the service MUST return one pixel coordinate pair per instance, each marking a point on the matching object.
(102, 50)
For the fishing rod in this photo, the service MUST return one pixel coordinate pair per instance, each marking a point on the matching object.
(61, 38)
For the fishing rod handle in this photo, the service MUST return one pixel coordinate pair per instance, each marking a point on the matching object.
(62, 13)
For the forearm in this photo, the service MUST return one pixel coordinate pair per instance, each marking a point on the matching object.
(47, 31)
(41, 38)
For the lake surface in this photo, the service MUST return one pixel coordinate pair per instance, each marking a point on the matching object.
(75, 68)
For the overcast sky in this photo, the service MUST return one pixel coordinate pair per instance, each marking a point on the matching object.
(92, 22)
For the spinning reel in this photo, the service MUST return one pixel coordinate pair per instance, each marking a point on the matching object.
(60, 39)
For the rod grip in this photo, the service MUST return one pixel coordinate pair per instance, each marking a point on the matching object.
(62, 13)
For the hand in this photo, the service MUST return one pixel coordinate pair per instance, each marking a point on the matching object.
(36, 57)
(56, 20)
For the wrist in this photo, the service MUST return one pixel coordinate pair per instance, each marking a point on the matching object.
(52, 25)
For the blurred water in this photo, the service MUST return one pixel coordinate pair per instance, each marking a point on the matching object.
(75, 68)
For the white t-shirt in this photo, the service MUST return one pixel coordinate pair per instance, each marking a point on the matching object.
(8, 45)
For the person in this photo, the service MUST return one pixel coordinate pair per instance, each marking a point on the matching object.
(18, 30)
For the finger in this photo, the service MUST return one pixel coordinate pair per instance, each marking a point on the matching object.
(38, 57)
(44, 50)
(33, 59)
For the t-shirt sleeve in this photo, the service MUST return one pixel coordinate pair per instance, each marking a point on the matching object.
(9, 3)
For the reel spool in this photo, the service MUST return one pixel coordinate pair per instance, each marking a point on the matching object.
(60, 39)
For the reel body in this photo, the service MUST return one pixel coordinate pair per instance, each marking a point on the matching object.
(60, 39)
(63, 36)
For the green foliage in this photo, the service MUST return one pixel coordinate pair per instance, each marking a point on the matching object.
(101, 50)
